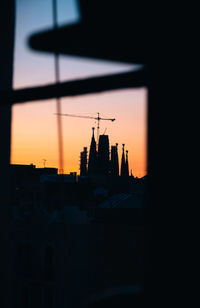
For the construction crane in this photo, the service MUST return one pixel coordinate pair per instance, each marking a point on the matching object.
(98, 118)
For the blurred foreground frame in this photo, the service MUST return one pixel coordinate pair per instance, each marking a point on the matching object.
(108, 31)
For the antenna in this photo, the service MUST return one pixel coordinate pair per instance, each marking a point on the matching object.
(44, 162)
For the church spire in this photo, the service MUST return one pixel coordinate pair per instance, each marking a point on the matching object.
(127, 165)
(83, 162)
(132, 174)
(117, 160)
(92, 163)
(123, 163)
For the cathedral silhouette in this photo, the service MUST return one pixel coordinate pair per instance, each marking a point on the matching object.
(101, 160)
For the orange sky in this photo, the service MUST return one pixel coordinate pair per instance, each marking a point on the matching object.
(34, 129)
(34, 126)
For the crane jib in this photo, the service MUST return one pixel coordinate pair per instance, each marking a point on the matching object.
(85, 117)
(98, 118)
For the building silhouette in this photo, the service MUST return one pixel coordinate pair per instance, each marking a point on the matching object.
(127, 165)
(114, 162)
(123, 162)
(103, 155)
(92, 163)
(132, 176)
(83, 162)
(103, 161)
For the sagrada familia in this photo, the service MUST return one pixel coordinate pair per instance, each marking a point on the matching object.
(102, 161)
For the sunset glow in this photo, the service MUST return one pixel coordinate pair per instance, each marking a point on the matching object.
(34, 126)
(34, 130)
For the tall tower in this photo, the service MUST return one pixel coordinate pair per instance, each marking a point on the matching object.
(114, 163)
(117, 159)
(83, 162)
(127, 165)
(92, 163)
(123, 163)
(103, 155)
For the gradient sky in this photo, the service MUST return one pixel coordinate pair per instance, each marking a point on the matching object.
(34, 126)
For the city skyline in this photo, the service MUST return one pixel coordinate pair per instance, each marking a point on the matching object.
(39, 139)
(34, 130)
